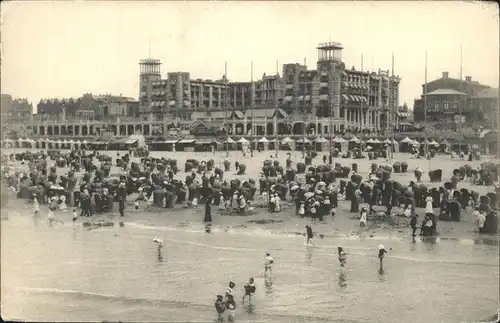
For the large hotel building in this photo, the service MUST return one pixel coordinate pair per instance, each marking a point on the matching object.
(321, 100)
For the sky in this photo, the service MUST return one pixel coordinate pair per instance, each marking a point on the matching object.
(65, 49)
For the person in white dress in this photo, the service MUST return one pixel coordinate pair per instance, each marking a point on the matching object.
(36, 206)
(268, 264)
(277, 203)
(428, 206)
(62, 206)
(362, 219)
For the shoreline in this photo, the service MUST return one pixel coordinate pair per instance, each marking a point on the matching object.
(343, 225)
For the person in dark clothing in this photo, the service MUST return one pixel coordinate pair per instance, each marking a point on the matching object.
(381, 253)
(208, 212)
(220, 307)
(309, 233)
(121, 206)
(413, 224)
(86, 205)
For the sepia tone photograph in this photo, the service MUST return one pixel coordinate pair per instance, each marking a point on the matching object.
(250, 161)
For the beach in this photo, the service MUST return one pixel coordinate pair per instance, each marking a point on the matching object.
(113, 273)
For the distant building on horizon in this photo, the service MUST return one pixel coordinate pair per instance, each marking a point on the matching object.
(88, 107)
(451, 102)
(15, 110)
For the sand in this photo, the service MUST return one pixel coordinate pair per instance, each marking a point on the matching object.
(345, 224)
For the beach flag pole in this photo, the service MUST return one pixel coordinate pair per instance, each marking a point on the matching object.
(304, 110)
(251, 111)
(426, 144)
(394, 111)
(460, 109)
(226, 101)
(276, 144)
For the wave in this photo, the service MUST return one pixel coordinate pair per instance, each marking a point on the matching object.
(240, 312)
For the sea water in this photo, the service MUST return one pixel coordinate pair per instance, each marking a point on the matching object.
(61, 273)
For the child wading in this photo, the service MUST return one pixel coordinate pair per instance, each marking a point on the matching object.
(249, 290)
(268, 265)
(381, 253)
(230, 303)
(220, 307)
(342, 257)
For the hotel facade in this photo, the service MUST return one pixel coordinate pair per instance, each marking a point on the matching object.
(326, 99)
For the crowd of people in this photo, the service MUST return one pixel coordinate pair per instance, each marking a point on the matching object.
(315, 191)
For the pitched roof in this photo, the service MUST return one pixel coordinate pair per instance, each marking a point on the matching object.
(445, 92)
(259, 113)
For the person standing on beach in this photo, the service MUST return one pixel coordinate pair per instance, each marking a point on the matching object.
(309, 235)
(413, 224)
(208, 211)
(268, 264)
(381, 253)
(36, 206)
(342, 257)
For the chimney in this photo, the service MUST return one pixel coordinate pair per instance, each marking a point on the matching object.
(445, 75)
(468, 78)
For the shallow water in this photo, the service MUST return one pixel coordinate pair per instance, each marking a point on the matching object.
(65, 274)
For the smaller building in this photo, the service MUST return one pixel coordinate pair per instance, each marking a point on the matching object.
(452, 103)
(486, 103)
(15, 111)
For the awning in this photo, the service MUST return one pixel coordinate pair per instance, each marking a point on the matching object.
(287, 140)
(230, 141)
(354, 139)
(263, 139)
(186, 141)
(130, 141)
(320, 140)
(288, 98)
(345, 97)
(171, 142)
(243, 140)
(345, 84)
(351, 97)
(339, 140)
(303, 140)
(370, 141)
